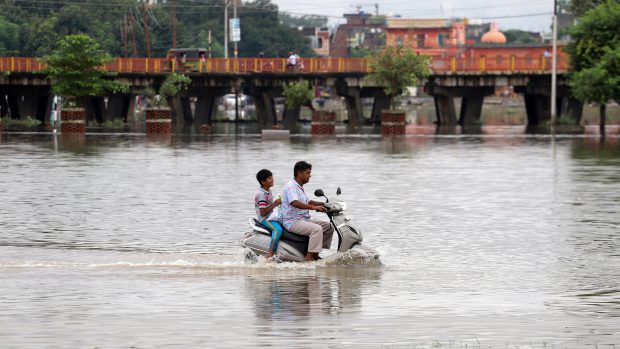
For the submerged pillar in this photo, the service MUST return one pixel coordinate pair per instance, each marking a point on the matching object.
(290, 117)
(380, 102)
(265, 106)
(537, 108)
(95, 109)
(204, 109)
(353, 101)
(471, 110)
(445, 110)
(4, 106)
(118, 107)
(13, 102)
(354, 110)
(571, 109)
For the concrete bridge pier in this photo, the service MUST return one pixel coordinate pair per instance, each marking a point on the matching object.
(4, 106)
(537, 97)
(353, 102)
(181, 112)
(13, 104)
(95, 109)
(32, 102)
(445, 110)
(572, 109)
(537, 108)
(187, 116)
(120, 106)
(380, 102)
(352, 96)
(472, 99)
(290, 116)
(471, 105)
(206, 104)
(265, 106)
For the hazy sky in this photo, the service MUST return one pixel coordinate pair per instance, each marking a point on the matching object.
(534, 15)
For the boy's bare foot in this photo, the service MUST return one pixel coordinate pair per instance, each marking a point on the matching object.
(311, 256)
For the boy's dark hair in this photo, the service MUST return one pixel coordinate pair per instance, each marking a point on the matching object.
(262, 175)
(301, 166)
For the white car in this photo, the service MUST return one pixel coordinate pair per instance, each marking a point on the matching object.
(229, 101)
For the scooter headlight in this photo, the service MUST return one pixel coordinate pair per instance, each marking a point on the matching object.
(343, 205)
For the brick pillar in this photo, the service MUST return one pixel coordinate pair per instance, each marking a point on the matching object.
(73, 120)
(393, 123)
(323, 122)
(158, 121)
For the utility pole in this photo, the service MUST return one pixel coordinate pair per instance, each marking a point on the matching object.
(133, 35)
(174, 23)
(124, 33)
(146, 32)
(209, 50)
(226, 29)
(235, 16)
(554, 60)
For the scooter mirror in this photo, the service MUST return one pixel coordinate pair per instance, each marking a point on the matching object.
(319, 192)
(338, 191)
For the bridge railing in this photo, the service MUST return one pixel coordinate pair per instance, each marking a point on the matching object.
(498, 63)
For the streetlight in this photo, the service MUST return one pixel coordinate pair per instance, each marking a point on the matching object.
(554, 61)
(227, 27)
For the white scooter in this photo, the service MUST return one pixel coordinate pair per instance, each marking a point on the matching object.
(293, 247)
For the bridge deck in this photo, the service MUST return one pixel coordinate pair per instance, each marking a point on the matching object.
(500, 64)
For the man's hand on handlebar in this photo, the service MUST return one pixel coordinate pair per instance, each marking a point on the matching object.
(319, 208)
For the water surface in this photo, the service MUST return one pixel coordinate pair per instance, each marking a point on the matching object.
(118, 241)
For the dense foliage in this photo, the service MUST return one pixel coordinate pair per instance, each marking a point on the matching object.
(396, 68)
(32, 27)
(516, 36)
(595, 54)
(73, 68)
(297, 94)
(580, 7)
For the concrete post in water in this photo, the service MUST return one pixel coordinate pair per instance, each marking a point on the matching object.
(323, 123)
(445, 110)
(393, 123)
(158, 121)
(73, 120)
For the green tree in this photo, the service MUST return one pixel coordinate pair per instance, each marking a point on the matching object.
(359, 52)
(9, 37)
(396, 68)
(580, 7)
(261, 31)
(311, 21)
(595, 56)
(516, 36)
(297, 94)
(74, 69)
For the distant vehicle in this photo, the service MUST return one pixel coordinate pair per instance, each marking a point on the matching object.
(186, 59)
(229, 101)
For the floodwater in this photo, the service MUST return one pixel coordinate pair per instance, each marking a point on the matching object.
(118, 241)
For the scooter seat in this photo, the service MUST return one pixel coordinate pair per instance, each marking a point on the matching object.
(287, 235)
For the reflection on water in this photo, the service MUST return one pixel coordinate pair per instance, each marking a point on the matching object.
(291, 297)
(487, 240)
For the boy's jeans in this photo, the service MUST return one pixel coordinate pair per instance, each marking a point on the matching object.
(276, 233)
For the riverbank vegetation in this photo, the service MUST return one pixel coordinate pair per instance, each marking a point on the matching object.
(32, 28)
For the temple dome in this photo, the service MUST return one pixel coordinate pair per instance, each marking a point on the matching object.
(493, 36)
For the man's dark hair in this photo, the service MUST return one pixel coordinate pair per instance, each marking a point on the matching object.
(262, 175)
(301, 166)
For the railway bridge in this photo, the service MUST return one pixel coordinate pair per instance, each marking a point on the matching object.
(25, 88)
